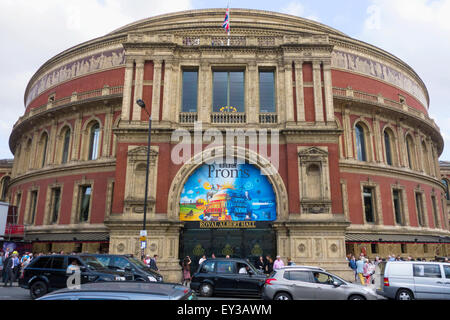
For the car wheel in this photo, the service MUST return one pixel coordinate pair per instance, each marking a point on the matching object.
(282, 296)
(206, 290)
(404, 294)
(38, 289)
(356, 297)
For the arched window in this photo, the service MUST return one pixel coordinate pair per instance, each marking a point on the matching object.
(5, 183)
(410, 152)
(388, 147)
(445, 182)
(66, 145)
(94, 140)
(360, 143)
(43, 146)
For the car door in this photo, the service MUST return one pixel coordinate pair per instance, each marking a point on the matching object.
(249, 282)
(428, 281)
(446, 269)
(301, 284)
(225, 278)
(326, 290)
(58, 276)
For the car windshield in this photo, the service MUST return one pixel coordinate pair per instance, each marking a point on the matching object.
(138, 262)
(93, 263)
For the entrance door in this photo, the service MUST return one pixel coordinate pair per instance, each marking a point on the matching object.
(237, 243)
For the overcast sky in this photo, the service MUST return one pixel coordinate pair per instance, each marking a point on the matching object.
(32, 32)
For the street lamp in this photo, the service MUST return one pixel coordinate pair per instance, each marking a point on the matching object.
(141, 104)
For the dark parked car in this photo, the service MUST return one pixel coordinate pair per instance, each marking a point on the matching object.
(124, 291)
(124, 263)
(227, 276)
(48, 273)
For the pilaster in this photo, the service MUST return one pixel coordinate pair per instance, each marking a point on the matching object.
(156, 95)
(318, 103)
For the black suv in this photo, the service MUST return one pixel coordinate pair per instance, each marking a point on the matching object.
(227, 276)
(48, 273)
(125, 263)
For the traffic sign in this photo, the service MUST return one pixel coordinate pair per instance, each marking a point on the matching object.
(143, 244)
(143, 238)
(143, 233)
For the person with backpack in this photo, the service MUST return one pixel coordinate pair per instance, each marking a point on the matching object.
(9, 271)
(352, 265)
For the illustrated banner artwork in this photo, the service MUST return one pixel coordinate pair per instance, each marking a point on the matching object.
(227, 192)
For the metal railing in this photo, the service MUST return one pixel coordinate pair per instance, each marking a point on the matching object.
(188, 117)
(228, 118)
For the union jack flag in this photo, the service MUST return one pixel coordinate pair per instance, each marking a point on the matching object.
(226, 22)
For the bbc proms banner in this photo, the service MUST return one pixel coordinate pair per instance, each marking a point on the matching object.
(227, 192)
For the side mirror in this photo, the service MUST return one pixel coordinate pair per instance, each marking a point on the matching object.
(336, 284)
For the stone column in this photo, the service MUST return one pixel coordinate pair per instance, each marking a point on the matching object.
(107, 133)
(138, 87)
(378, 137)
(329, 107)
(156, 95)
(288, 92)
(167, 108)
(128, 84)
(280, 88)
(299, 94)
(204, 108)
(318, 104)
(348, 133)
(252, 82)
(76, 134)
(52, 143)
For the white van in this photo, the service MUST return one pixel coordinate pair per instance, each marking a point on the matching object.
(407, 280)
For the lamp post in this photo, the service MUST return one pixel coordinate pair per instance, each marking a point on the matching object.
(141, 104)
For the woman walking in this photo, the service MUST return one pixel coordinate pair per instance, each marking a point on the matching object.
(186, 271)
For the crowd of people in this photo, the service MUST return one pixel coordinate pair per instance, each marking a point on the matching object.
(364, 268)
(265, 265)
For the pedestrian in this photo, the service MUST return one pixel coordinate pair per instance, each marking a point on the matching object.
(227, 257)
(16, 265)
(2, 263)
(377, 260)
(153, 263)
(290, 262)
(9, 269)
(352, 265)
(203, 258)
(260, 264)
(278, 263)
(213, 256)
(269, 265)
(368, 269)
(360, 269)
(147, 260)
(391, 257)
(187, 271)
(73, 267)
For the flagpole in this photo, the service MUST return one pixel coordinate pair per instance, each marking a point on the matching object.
(229, 22)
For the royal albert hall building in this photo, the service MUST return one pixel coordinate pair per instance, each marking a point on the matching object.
(351, 163)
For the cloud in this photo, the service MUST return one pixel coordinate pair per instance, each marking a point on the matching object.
(418, 32)
(295, 8)
(35, 31)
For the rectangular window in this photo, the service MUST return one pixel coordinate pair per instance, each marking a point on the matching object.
(427, 270)
(403, 247)
(85, 202)
(398, 206)
(190, 91)
(33, 202)
(419, 208)
(266, 91)
(369, 209)
(435, 212)
(228, 91)
(374, 247)
(56, 200)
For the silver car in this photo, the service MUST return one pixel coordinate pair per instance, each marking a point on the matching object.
(309, 283)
